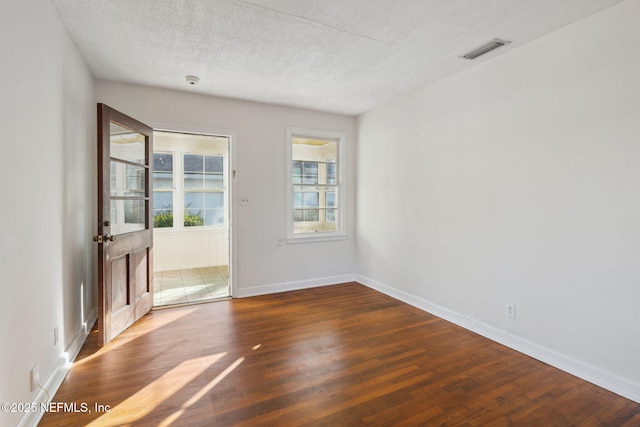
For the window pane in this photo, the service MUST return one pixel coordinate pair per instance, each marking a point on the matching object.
(194, 201)
(213, 181)
(213, 164)
(162, 200)
(330, 215)
(162, 209)
(310, 200)
(193, 163)
(331, 199)
(214, 217)
(214, 200)
(297, 172)
(331, 174)
(311, 215)
(193, 180)
(162, 218)
(162, 170)
(193, 218)
(162, 180)
(194, 209)
(310, 173)
(163, 162)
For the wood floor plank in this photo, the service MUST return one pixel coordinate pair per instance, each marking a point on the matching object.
(336, 355)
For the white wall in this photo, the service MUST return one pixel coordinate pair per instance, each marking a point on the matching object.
(47, 116)
(259, 135)
(518, 181)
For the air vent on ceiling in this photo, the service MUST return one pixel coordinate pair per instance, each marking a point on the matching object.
(485, 48)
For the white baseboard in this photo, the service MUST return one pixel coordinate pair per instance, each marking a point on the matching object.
(293, 286)
(54, 381)
(566, 363)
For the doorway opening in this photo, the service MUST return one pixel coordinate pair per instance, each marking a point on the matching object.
(191, 218)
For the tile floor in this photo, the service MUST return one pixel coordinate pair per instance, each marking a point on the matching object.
(191, 285)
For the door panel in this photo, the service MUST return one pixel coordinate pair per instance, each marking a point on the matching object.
(119, 283)
(125, 224)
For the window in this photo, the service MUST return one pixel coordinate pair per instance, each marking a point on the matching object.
(203, 190)
(196, 198)
(162, 190)
(315, 207)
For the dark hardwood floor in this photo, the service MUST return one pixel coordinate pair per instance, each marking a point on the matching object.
(340, 355)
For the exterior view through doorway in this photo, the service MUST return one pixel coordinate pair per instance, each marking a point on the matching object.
(191, 221)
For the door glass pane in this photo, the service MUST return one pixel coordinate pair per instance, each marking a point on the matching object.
(135, 181)
(127, 144)
(129, 216)
(127, 180)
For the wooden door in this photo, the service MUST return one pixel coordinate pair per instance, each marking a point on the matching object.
(125, 222)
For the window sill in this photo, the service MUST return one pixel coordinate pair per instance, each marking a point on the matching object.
(306, 238)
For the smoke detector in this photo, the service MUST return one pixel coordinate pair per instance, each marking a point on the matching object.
(193, 80)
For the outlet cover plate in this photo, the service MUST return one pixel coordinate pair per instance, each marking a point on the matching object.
(511, 310)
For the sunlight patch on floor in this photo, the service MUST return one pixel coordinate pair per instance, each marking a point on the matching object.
(146, 400)
(142, 327)
(200, 394)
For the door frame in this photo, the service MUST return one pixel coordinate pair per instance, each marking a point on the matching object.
(233, 175)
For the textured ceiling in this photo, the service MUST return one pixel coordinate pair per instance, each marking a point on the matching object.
(344, 56)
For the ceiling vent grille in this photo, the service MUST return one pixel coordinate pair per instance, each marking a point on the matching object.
(485, 48)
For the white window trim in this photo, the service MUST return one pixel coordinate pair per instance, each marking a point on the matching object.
(340, 233)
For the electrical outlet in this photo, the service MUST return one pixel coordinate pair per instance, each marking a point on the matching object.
(244, 200)
(55, 335)
(511, 310)
(35, 377)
